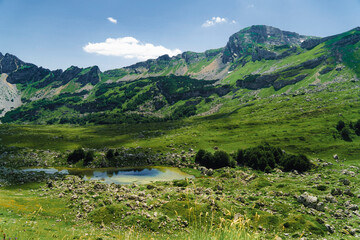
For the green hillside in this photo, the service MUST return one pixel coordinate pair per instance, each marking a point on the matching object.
(265, 66)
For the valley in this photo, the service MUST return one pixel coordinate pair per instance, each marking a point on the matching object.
(268, 94)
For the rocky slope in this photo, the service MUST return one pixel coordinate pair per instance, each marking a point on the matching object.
(10, 97)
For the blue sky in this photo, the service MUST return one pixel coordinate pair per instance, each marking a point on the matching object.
(56, 33)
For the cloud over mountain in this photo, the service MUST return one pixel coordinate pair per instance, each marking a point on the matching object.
(216, 20)
(130, 48)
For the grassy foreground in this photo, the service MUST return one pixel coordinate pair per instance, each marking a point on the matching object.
(232, 204)
(32, 212)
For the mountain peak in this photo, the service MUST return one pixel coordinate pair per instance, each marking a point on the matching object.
(269, 34)
(10, 63)
(249, 39)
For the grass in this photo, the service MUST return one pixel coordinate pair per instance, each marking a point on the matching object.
(225, 206)
(29, 212)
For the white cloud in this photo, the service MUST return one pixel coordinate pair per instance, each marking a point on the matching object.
(112, 20)
(129, 47)
(213, 21)
(216, 20)
(251, 6)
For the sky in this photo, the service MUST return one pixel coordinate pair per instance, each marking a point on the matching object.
(56, 34)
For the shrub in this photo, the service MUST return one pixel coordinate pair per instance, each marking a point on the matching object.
(181, 183)
(183, 111)
(217, 160)
(76, 156)
(268, 169)
(321, 187)
(89, 157)
(357, 127)
(207, 160)
(263, 157)
(266, 158)
(199, 156)
(259, 157)
(110, 154)
(240, 157)
(221, 159)
(296, 162)
(345, 134)
(340, 125)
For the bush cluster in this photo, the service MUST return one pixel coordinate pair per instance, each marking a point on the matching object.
(79, 154)
(121, 157)
(183, 111)
(266, 157)
(217, 160)
(346, 131)
(76, 156)
(263, 157)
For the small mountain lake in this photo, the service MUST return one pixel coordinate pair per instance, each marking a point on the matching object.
(120, 175)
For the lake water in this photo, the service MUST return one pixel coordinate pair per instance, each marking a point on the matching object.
(121, 175)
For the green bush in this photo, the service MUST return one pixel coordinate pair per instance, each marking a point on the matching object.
(340, 125)
(259, 157)
(207, 160)
(357, 127)
(217, 160)
(76, 156)
(345, 134)
(183, 111)
(321, 187)
(221, 159)
(89, 157)
(268, 169)
(199, 156)
(110, 154)
(296, 162)
(266, 158)
(181, 183)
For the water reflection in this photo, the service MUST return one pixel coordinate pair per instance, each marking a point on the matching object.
(121, 176)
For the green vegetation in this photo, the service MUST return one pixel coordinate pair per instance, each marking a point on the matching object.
(346, 132)
(76, 156)
(217, 160)
(266, 158)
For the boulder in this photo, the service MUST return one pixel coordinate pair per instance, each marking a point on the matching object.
(330, 228)
(330, 199)
(308, 200)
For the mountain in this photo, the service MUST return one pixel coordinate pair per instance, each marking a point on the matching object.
(257, 62)
(250, 44)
